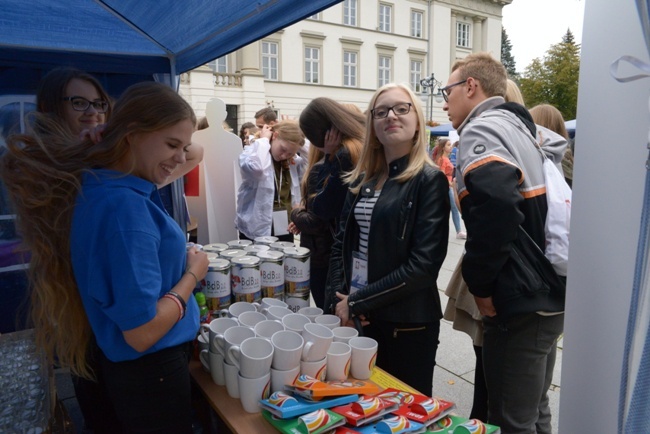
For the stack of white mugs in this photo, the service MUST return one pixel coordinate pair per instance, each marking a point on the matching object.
(260, 348)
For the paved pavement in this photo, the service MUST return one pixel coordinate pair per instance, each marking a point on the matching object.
(453, 377)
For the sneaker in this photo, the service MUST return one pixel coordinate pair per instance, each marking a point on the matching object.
(461, 235)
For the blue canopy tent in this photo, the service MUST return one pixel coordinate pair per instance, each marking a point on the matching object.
(127, 41)
(570, 127)
(121, 42)
(441, 130)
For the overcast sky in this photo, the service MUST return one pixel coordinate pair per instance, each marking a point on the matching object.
(534, 25)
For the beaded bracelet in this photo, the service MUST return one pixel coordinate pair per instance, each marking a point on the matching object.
(181, 313)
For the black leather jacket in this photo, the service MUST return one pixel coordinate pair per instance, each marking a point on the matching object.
(407, 245)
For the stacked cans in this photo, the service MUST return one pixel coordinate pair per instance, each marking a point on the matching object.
(241, 270)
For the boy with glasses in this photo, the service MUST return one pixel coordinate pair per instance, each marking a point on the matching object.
(501, 187)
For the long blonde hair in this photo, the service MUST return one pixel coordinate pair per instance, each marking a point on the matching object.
(372, 164)
(42, 172)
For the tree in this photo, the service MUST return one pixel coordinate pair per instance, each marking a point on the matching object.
(553, 79)
(506, 55)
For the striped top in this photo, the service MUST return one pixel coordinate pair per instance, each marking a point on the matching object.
(363, 213)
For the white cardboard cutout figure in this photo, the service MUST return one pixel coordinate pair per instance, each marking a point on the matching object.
(219, 178)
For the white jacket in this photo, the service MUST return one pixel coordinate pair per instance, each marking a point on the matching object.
(255, 196)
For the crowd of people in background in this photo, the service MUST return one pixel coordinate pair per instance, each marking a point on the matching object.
(361, 189)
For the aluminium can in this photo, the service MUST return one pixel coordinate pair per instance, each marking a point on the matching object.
(215, 247)
(296, 277)
(245, 279)
(266, 240)
(272, 274)
(254, 249)
(231, 254)
(281, 245)
(239, 244)
(216, 286)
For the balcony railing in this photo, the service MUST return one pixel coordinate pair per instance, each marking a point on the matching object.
(228, 80)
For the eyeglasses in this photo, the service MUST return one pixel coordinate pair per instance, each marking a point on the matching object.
(81, 104)
(400, 109)
(445, 90)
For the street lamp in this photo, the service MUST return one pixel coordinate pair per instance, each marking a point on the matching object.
(428, 88)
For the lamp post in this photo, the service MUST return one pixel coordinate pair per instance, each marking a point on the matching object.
(428, 88)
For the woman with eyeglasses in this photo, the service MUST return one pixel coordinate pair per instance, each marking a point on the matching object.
(393, 239)
(75, 97)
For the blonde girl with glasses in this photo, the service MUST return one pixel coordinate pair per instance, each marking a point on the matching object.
(392, 240)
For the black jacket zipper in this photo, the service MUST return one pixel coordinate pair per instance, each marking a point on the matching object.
(352, 303)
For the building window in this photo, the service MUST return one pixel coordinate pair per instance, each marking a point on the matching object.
(350, 12)
(416, 24)
(270, 60)
(416, 75)
(219, 65)
(312, 65)
(350, 68)
(463, 34)
(384, 70)
(385, 16)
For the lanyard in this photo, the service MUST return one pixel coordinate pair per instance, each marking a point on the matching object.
(278, 183)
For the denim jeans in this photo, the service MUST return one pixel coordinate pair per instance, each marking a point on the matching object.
(518, 359)
(455, 214)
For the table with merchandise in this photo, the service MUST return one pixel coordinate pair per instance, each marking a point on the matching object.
(383, 404)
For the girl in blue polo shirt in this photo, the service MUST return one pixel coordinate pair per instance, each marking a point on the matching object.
(106, 257)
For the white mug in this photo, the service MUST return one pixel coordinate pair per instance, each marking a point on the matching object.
(329, 321)
(317, 341)
(233, 337)
(310, 312)
(249, 319)
(202, 342)
(238, 308)
(277, 312)
(364, 356)
(253, 357)
(287, 351)
(344, 334)
(217, 327)
(251, 390)
(315, 369)
(267, 328)
(231, 375)
(338, 361)
(270, 301)
(295, 322)
(280, 379)
(214, 365)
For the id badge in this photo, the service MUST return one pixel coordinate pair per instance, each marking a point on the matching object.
(280, 222)
(359, 272)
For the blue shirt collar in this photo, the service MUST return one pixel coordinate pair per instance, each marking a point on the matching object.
(119, 179)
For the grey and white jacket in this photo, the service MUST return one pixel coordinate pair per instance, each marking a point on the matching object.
(501, 186)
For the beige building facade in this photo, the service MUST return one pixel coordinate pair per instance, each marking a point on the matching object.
(346, 52)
